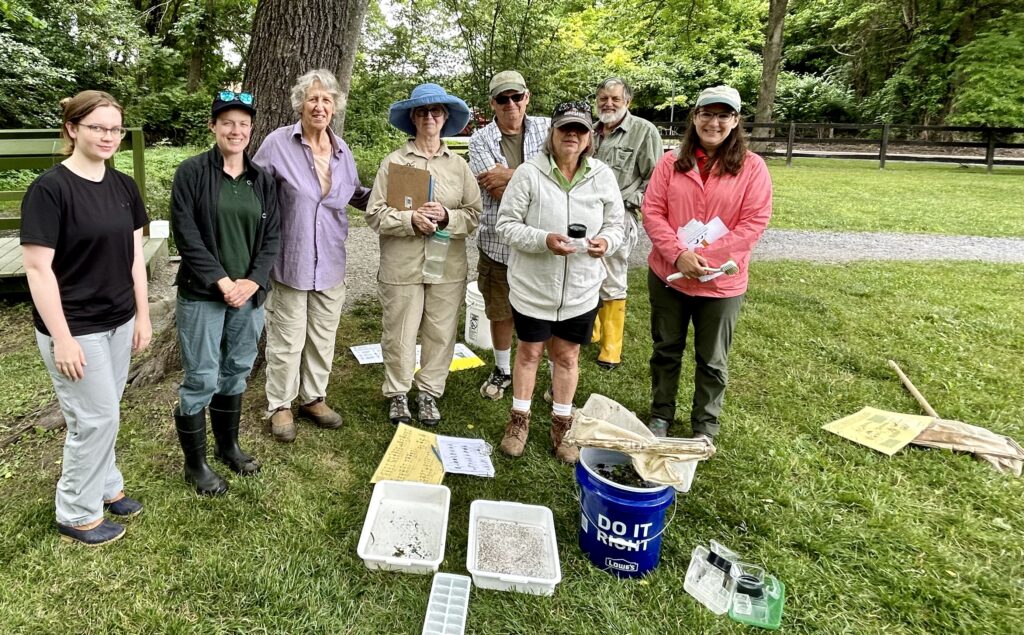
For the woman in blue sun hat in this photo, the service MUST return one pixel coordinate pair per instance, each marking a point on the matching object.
(414, 303)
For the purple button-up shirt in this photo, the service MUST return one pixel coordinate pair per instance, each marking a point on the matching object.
(313, 227)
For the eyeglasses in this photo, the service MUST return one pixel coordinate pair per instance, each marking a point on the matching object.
(435, 112)
(723, 117)
(100, 131)
(501, 100)
(228, 95)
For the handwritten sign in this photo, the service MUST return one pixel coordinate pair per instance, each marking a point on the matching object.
(411, 456)
(886, 432)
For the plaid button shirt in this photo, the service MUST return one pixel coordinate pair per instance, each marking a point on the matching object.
(484, 154)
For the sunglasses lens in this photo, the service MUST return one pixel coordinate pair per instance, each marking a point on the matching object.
(245, 98)
(226, 95)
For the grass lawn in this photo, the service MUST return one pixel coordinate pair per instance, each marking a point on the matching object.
(924, 542)
(846, 195)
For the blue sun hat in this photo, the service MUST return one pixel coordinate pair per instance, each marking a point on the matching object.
(424, 95)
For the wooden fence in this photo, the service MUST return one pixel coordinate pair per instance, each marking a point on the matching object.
(880, 136)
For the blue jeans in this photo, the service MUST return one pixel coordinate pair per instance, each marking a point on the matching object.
(218, 348)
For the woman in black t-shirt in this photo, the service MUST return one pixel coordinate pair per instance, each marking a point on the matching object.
(81, 236)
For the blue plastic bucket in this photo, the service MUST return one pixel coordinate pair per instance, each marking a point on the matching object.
(620, 526)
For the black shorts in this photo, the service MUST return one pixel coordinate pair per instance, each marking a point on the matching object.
(576, 330)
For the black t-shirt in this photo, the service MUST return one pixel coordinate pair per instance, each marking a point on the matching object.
(89, 226)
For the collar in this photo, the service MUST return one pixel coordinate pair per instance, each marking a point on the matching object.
(215, 157)
(528, 122)
(410, 148)
(555, 173)
(296, 133)
(624, 125)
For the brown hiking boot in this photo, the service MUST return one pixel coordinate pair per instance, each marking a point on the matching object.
(513, 442)
(560, 424)
(282, 425)
(320, 414)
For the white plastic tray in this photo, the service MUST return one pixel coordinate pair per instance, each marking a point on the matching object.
(449, 603)
(405, 527)
(535, 518)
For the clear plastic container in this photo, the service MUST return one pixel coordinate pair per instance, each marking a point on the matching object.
(578, 237)
(758, 599)
(711, 577)
(448, 605)
(435, 252)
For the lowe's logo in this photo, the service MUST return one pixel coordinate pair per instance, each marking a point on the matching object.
(621, 565)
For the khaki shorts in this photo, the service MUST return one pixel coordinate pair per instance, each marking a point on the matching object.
(492, 280)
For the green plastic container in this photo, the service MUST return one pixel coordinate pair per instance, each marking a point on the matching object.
(758, 598)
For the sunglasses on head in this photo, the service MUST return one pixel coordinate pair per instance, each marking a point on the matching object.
(229, 95)
(501, 100)
(570, 106)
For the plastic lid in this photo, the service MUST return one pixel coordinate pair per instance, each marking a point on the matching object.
(442, 233)
(576, 230)
(719, 562)
(751, 585)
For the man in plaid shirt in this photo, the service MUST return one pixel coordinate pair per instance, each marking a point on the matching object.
(495, 151)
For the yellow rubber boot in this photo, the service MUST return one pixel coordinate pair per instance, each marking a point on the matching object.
(595, 337)
(613, 322)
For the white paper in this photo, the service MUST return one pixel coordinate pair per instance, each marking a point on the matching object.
(372, 354)
(695, 234)
(465, 456)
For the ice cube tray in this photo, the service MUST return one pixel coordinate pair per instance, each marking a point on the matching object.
(448, 605)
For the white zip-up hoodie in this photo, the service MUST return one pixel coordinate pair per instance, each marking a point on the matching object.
(542, 285)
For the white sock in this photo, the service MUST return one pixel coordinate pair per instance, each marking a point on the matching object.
(561, 409)
(503, 360)
(522, 405)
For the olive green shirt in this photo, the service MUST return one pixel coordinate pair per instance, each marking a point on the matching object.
(565, 183)
(631, 150)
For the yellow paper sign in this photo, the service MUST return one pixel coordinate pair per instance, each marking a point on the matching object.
(410, 457)
(886, 432)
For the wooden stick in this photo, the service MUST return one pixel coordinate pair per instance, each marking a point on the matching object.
(913, 390)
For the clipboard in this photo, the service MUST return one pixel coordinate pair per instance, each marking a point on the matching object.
(408, 187)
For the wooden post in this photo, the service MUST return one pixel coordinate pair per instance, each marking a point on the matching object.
(990, 149)
(139, 161)
(883, 147)
(789, 144)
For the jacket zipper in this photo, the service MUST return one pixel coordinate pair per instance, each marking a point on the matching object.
(565, 272)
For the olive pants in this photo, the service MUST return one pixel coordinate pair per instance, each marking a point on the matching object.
(713, 322)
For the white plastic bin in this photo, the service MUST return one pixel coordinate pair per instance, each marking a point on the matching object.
(538, 535)
(478, 327)
(405, 527)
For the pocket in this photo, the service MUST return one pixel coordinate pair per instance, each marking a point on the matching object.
(621, 158)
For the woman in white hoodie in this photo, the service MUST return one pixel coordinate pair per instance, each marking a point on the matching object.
(560, 214)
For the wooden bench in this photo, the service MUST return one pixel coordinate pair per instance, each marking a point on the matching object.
(39, 150)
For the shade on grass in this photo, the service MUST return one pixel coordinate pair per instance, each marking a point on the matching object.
(923, 542)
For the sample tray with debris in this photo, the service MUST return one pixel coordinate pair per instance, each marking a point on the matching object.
(449, 602)
(405, 527)
(512, 547)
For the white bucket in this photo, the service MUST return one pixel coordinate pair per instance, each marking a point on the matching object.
(478, 327)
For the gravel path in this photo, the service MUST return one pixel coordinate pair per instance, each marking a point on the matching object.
(776, 244)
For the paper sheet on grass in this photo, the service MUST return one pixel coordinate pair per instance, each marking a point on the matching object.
(410, 457)
(605, 423)
(462, 358)
(465, 456)
(881, 430)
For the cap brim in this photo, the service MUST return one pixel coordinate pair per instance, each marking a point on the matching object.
(718, 100)
(233, 106)
(499, 89)
(568, 119)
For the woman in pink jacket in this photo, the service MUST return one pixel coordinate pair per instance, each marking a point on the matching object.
(712, 175)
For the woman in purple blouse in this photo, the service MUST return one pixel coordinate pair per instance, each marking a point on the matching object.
(316, 178)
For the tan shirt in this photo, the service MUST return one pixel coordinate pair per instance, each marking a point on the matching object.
(401, 244)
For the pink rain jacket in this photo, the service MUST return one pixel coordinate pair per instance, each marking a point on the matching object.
(742, 202)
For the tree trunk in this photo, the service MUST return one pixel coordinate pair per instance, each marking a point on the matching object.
(290, 37)
(770, 70)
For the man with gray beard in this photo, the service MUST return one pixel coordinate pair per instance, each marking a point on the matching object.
(631, 147)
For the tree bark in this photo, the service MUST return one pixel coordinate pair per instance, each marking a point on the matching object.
(770, 71)
(290, 37)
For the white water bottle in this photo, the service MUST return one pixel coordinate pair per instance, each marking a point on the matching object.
(435, 252)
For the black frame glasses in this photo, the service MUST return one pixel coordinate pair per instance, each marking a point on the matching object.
(501, 100)
(230, 95)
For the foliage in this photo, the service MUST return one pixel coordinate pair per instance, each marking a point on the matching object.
(991, 77)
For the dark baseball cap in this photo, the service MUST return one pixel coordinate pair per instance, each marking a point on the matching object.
(228, 99)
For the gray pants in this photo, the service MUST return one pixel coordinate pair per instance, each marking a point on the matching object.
(92, 410)
(616, 282)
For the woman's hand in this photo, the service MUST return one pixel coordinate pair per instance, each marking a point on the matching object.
(597, 247)
(691, 265)
(559, 244)
(423, 219)
(143, 334)
(69, 358)
(241, 292)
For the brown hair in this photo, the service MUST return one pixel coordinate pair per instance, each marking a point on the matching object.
(728, 157)
(77, 108)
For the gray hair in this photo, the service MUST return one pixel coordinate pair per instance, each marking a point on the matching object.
(549, 149)
(326, 79)
(612, 82)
